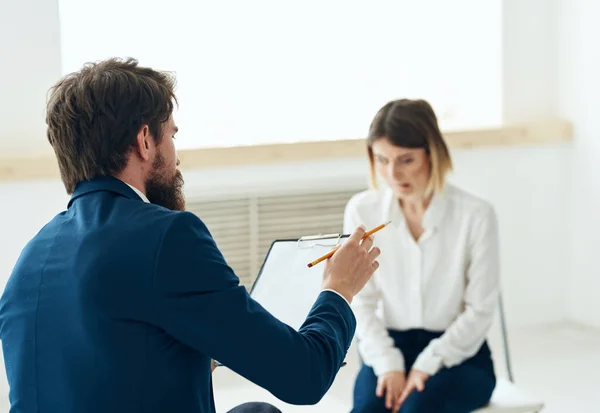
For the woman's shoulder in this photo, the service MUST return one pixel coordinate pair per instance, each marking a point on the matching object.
(367, 199)
(468, 203)
(366, 204)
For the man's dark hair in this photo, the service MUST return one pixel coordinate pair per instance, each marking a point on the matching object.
(94, 115)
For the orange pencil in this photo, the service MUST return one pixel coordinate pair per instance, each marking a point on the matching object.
(330, 253)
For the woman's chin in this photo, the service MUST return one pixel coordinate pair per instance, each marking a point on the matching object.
(403, 191)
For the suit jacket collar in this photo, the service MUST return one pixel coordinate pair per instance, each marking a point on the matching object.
(104, 183)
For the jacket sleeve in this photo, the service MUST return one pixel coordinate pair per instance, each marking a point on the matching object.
(375, 345)
(466, 334)
(198, 300)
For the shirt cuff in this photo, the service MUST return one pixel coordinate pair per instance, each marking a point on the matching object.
(387, 364)
(428, 362)
(388, 359)
(333, 291)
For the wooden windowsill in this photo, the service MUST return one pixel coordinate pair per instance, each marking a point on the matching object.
(541, 132)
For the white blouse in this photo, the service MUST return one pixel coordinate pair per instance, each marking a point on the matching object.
(447, 281)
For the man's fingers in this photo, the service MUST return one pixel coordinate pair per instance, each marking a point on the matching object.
(374, 266)
(374, 253)
(368, 243)
(420, 384)
(357, 235)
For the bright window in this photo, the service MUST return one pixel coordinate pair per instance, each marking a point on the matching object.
(267, 71)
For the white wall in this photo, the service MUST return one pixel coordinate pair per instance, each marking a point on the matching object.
(529, 72)
(30, 55)
(533, 211)
(27, 208)
(578, 63)
(330, 79)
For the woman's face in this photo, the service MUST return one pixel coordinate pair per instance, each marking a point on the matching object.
(405, 170)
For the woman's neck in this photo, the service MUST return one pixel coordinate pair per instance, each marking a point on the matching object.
(414, 209)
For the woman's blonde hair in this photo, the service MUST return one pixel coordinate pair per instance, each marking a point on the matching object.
(411, 124)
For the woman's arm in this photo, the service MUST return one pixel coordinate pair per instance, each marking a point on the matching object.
(376, 347)
(467, 333)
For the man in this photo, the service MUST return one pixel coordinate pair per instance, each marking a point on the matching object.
(121, 302)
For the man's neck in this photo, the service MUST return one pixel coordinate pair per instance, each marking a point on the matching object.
(140, 193)
(136, 185)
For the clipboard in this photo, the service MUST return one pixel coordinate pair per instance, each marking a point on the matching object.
(285, 286)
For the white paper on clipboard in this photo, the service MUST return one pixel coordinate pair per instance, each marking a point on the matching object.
(285, 286)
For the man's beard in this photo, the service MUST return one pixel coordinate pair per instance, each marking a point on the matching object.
(163, 190)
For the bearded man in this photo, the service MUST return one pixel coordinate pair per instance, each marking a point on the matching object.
(121, 302)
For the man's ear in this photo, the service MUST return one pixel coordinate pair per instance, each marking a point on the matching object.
(143, 143)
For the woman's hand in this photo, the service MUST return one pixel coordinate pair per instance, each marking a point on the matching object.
(391, 385)
(416, 380)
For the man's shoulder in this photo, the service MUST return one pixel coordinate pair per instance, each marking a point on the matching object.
(181, 221)
(173, 229)
(157, 218)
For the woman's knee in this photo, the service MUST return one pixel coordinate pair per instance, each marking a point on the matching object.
(365, 400)
(483, 389)
(369, 404)
(460, 389)
(421, 402)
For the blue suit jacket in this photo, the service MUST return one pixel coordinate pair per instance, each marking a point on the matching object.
(118, 305)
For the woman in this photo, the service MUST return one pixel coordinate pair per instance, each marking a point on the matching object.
(424, 316)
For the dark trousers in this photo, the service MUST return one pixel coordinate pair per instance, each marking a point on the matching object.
(459, 389)
(255, 407)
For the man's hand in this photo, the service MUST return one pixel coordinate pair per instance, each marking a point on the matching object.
(416, 380)
(349, 269)
(391, 385)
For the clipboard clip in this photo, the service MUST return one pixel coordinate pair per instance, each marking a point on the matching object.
(323, 240)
